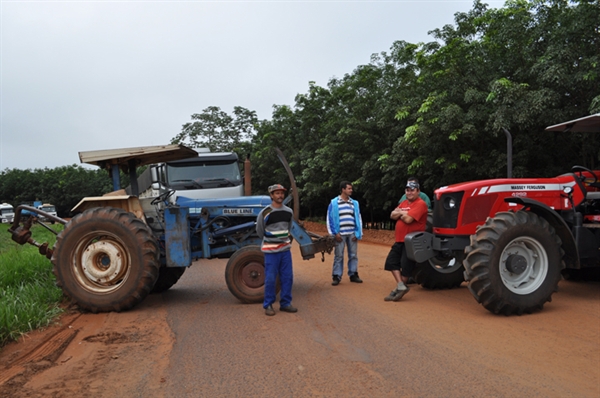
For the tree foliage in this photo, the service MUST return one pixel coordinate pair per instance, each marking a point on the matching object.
(63, 186)
(218, 131)
(437, 110)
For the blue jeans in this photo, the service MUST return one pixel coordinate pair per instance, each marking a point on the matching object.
(338, 259)
(278, 264)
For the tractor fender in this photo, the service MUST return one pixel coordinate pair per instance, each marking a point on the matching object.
(128, 203)
(558, 223)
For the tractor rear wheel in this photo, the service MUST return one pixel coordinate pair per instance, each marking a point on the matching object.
(245, 274)
(514, 263)
(167, 277)
(105, 260)
(441, 273)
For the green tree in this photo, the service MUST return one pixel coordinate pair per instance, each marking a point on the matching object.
(219, 131)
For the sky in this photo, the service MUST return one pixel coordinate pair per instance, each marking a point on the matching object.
(91, 75)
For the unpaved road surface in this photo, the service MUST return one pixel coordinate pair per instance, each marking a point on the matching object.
(197, 340)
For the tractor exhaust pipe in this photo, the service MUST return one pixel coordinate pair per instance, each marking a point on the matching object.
(508, 153)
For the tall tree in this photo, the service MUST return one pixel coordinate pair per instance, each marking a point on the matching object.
(219, 131)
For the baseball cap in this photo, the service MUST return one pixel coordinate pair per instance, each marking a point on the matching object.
(412, 185)
(276, 187)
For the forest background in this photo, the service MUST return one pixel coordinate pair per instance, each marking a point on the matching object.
(433, 110)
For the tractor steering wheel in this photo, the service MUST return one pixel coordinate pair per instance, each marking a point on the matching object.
(580, 170)
(162, 197)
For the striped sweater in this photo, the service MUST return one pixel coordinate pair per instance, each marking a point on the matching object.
(273, 227)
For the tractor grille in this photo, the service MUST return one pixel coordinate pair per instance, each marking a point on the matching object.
(444, 215)
(478, 209)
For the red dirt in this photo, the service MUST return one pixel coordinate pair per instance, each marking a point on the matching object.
(130, 353)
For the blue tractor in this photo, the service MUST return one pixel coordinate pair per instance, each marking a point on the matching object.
(119, 247)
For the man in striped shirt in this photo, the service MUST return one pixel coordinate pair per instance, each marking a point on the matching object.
(273, 226)
(344, 222)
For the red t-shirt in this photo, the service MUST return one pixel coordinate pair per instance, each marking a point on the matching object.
(418, 211)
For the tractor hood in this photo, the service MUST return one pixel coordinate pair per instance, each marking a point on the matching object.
(244, 201)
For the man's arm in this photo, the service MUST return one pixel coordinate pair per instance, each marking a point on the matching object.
(396, 213)
(330, 224)
(260, 225)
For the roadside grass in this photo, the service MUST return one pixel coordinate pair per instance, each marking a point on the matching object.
(29, 297)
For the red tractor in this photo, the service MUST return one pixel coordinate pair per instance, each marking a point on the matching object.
(512, 238)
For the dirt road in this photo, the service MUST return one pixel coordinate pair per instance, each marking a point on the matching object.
(198, 340)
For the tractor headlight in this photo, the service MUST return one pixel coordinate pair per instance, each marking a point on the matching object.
(450, 203)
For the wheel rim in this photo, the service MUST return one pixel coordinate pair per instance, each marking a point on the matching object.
(523, 265)
(253, 274)
(101, 264)
(446, 265)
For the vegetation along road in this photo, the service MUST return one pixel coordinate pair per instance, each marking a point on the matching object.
(198, 340)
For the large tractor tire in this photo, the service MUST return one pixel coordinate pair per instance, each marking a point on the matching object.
(245, 274)
(514, 263)
(105, 260)
(167, 277)
(441, 273)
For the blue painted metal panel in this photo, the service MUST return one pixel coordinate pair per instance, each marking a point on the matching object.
(242, 206)
(177, 237)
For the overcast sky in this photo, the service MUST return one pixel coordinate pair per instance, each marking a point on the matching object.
(90, 75)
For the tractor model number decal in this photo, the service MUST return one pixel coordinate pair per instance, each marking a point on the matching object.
(237, 211)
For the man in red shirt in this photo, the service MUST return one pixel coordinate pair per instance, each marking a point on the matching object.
(410, 216)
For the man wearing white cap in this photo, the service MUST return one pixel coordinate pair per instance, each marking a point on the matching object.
(410, 216)
(273, 226)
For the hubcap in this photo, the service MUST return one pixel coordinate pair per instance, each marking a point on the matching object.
(523, 265)
(100, 263)
(516, 264)
(253, 274)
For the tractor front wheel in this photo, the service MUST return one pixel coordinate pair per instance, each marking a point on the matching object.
(441, 272)
(167, 277)
(105, 260)
(514, 263)
(245, 274)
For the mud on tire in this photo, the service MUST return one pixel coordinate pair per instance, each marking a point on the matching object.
(514, 263)
(106, 259)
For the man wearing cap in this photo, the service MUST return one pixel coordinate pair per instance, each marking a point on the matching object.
(273, 226)
(344, 222)
(410, 216)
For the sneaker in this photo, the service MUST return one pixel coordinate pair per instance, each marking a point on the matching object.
(288, 308)
(336, 280)
(401, 293)
(269, 311)
(392, 295)
(354, 278)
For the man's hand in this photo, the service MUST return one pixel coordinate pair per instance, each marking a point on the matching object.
(396, 213)
(338, 237)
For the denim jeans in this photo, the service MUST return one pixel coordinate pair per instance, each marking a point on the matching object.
(338, 259)
(278, 265)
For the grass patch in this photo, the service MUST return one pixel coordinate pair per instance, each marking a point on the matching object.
(29, 297)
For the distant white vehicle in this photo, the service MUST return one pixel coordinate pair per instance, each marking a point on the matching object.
(48, 208)
(7, 213)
